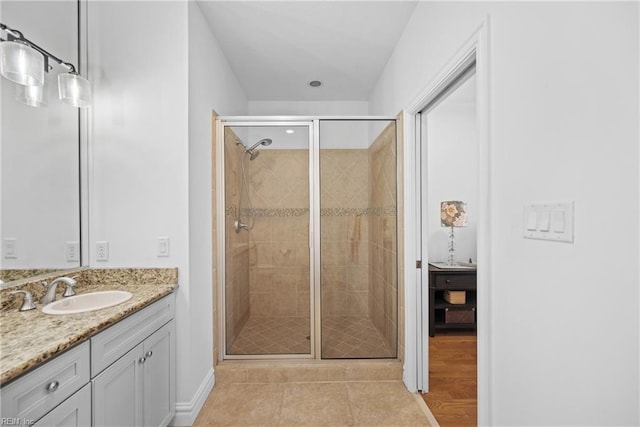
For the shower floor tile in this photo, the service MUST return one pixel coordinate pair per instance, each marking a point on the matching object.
(273, 335)
(352, 338)
(342, 338)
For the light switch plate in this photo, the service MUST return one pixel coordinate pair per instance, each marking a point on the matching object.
(549, 221)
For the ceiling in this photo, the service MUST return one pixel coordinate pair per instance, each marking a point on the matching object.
(276, 47)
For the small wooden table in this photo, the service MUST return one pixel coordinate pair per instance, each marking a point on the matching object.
(441, 314)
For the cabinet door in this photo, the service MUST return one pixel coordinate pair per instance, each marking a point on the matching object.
(73, 412)
(159, 376)
(117, 392)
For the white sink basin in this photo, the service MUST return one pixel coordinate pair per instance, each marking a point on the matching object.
(87, 302)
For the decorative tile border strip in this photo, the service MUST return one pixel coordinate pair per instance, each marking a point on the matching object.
(386, 210)
(291, 212)
(275, 212)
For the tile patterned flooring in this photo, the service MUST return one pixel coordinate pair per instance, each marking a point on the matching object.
(372, 403)
(342, 337)
(282, 395)
(352, 338)
(273, 335)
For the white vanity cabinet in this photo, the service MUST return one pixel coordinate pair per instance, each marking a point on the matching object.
(123, 376)
(134, 379)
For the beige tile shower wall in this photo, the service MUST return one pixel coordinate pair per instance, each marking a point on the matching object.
(237, 296)
(383, 247)
(279, 246)
(344, 223)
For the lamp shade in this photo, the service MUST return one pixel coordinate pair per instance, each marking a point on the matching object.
(74, 89)
(21, 64)
(34, 96)
(453, 213)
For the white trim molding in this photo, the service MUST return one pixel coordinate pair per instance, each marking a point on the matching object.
(476, 48)
(187, 412)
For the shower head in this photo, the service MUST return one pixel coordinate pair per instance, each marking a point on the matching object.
(252, 151)
(264, 142)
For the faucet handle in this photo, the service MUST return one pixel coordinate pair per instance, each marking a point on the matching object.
(27, 303)
(68, 291)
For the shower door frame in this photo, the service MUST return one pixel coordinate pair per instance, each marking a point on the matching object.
(248, 122)
(313, 124)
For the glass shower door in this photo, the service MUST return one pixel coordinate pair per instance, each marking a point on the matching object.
(358, 233)
(267, 286)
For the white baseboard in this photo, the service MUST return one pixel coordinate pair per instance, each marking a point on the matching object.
(187, 412)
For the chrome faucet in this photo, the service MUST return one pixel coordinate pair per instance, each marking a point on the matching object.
(27, 303)
(50, 294)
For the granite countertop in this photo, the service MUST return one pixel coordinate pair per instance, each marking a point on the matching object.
(30, 338)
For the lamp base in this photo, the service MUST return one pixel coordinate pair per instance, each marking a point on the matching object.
(452, 249)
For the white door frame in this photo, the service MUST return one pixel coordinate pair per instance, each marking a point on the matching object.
(416, 283)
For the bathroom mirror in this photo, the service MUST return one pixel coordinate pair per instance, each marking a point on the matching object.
(39, 153)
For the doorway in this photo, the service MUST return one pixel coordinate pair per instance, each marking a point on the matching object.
(449, 141)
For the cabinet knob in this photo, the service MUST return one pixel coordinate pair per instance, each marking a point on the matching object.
(447, 281)
(149, 354)
(142, 360)
(53, 386)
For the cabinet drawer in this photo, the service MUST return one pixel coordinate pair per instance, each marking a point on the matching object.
(455, 281)
(39, 391)
(73, 412)
(111, 344)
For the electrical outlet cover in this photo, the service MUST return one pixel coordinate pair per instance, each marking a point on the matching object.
(102, 251)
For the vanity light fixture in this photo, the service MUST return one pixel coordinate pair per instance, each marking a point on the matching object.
(21, 63)
(73, 89)
(34, 96)
(24, 62)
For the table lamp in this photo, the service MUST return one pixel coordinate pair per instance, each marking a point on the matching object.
(453, 213)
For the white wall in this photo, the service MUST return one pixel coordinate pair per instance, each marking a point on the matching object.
(212, 86)
(452, 156)
(155, 86)
(138, 131)
(564, 127)
(308, 108)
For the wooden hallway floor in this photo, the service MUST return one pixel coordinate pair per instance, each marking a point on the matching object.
(453, 378)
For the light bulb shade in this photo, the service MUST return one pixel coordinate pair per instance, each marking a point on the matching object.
(74, 89)
(21, 64)
(453, 213)
(34, 96)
